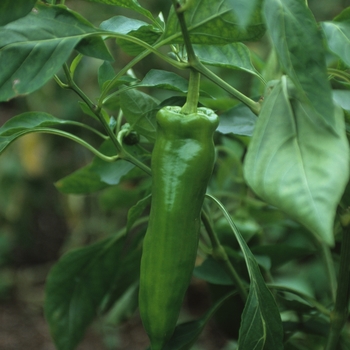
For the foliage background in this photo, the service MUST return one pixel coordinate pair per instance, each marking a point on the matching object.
(38, 223)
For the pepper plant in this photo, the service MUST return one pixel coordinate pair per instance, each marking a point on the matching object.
(281, 170)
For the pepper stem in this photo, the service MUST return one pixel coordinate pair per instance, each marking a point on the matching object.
(193, 93)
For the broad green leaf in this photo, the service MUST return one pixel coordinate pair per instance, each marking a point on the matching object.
(132, 27)
(34, 47)
(239, 120)
(186, 334)
(139, 110)
(26, 123)
(213, 23)
(94, 46)
(261, 326)
(97, 175)
(77, 286)
(146, 34)
(29, 121)
(123, 25)
(233, 56)
(9, 12)
(297, 162)
(298, 43)
(337, 34)
(82, 181)
(164, 80)
(135, 212)
(243, 9)
(129, 4)
(127, 273)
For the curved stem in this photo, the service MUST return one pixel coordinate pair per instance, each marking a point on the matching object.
(130, 158)
(254, 106)
(136, 60)
(73, 138)
(73, 86)
(121, 152)
(340, 74)
(220, 254)
(88, 127)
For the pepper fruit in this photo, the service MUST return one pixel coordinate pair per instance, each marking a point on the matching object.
(182, 163)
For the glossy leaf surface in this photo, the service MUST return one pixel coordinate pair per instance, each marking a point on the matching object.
(290, 168)
(78, 284)
(213, 23)
(9, 13)
(298, 43)
(34, 47)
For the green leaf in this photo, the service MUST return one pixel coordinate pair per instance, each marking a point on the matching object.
(243, 9)
(298, 43)
(239, 120)
(133, 27)
(97, 175)
(342, 98)
(162, 79)
(232, 56)
(34, 47)
(129, 4)
(136, 210)
(29, 121)
(9, 12)
(213, 23)
(261, 326)
(338, 38)
(127, 273)
(82, 181)
(77, 286)
(139, 110)
(26, 123)
(94, 46)
(297, 162)
(186, 334)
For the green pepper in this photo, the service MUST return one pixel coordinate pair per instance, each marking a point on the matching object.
(182, 164)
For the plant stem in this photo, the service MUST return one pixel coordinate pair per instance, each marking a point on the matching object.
(254, 106)
(328, 260)
(122, 153)
(73, 138)
(340, 74)
(340, 313)
(82, 125)
(185, 35)
(73, 86)
(220, 254)
(193, 93)
(130, 158)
